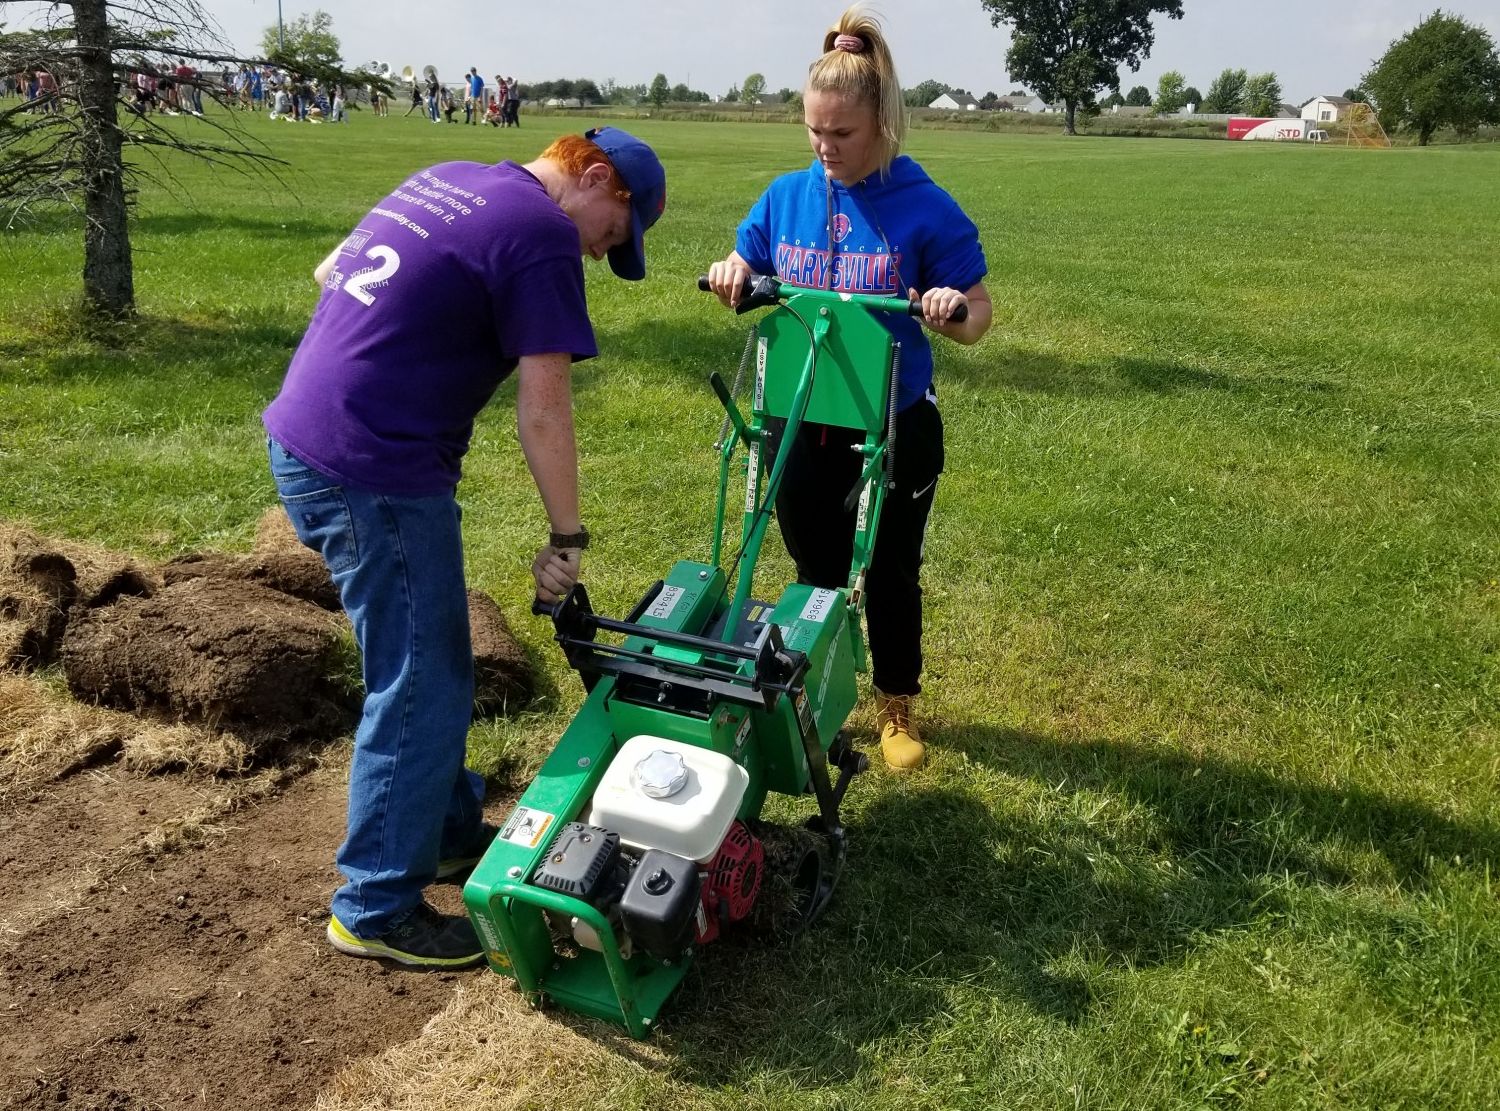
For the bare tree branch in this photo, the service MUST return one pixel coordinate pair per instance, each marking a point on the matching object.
(67, 147)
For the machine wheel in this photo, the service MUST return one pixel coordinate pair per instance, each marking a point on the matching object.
(800, 874)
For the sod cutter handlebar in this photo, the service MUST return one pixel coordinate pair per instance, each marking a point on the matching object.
(762, 291)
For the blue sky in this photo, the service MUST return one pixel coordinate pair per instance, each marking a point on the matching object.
(711, 44)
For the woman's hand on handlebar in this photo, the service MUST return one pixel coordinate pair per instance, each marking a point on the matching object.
(727, 279)
(938, 304)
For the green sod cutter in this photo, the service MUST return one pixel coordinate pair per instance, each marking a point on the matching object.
(640, 838)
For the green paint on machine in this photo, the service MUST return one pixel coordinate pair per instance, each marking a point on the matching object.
(708, 700)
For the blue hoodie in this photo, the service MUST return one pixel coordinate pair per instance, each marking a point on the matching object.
(889, 233)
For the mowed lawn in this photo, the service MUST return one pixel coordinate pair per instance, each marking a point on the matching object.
(1213, 625)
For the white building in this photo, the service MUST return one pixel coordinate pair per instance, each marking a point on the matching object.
(1326, 109)
(955, 101)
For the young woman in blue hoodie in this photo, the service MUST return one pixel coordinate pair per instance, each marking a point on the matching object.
(864, 218)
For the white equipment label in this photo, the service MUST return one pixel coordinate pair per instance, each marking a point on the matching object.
(818, 606)
(760, 374)
(752, 485)
(665, 603)
(527, 827)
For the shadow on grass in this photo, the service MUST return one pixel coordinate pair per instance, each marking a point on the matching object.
(1028, 371)
(299, 231)
(1138, 857)
(64, 346)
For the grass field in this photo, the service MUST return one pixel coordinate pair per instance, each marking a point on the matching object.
(1213, 586)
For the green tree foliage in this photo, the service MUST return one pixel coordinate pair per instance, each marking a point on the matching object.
(1190, 95)
(924, 94)
(308, 44)
(313, 49)
(628, 94)
(753, 88)
(733, 95)
(1066, 49)
(1262, 94)
(1227, 93)
(660, 91)
(1138, 97)
(566, 88)
(1443, 73)
(1113, 100)
(1170, 96)
(1359, 96)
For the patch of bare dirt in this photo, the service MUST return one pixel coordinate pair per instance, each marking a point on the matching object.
(166, 864)
(151, 959)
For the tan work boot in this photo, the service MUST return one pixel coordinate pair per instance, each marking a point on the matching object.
(900, 743)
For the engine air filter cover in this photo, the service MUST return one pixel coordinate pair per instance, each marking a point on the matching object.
(579, 862)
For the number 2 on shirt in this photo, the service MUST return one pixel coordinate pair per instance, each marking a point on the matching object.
(389, 261)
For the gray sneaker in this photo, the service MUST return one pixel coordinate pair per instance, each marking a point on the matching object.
(420, 938)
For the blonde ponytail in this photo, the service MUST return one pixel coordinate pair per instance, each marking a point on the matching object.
(867, 74)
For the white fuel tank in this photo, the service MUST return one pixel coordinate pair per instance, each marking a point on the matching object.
(661, 794)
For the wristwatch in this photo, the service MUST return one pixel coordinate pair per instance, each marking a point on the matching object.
(579, 539)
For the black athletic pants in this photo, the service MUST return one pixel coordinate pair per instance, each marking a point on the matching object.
(819, 534)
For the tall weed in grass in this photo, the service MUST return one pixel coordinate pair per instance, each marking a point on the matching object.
(1213, 600)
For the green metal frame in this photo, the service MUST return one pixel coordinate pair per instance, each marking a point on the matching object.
(835, 333)
(820, 357)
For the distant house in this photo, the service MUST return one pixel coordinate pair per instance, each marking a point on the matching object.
(1288, 112)
(955, 101)
(1326, 109)
(1037, 105)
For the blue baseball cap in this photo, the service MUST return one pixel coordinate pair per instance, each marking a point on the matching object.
(641, 171)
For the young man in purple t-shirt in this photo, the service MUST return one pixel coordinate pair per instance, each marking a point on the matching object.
(462, 275)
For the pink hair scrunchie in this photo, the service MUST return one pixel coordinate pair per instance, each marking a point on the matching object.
(853, 44)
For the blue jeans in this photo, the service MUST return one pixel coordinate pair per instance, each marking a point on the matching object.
(398, 565)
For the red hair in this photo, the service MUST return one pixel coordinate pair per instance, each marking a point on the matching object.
(573, 154)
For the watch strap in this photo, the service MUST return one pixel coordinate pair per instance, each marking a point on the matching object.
(579, 539)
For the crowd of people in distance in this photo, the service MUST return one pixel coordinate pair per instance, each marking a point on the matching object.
(296, 97)
(172, 90)
(498, 107)
(176, 90)
(36, 86)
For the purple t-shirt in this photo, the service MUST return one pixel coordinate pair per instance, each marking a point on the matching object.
(433, 299)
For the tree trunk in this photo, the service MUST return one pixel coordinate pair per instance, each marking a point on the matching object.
(1072, 110)
(108, 281)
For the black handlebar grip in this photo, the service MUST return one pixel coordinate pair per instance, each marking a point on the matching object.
(960, 314)
(540, 608)
(746, 290)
